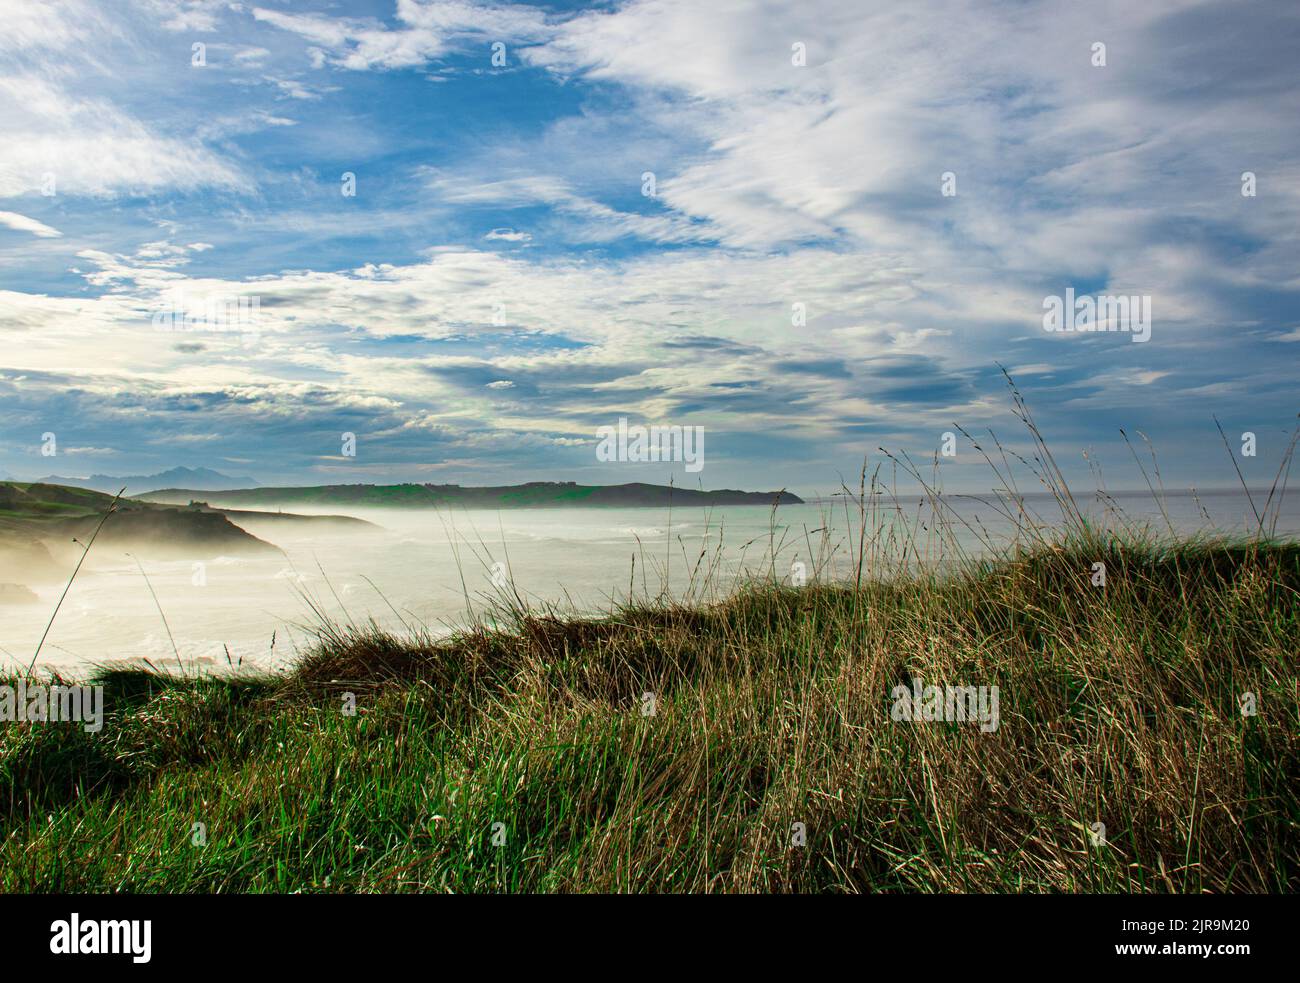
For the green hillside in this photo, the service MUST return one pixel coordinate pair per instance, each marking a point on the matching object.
(33, 514)
(534, 494)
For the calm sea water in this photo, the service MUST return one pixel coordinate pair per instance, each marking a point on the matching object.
(430, 568)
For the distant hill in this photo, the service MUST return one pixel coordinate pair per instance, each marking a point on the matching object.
(200, 479)
(534, 494)
(38, 523)
(35, 514)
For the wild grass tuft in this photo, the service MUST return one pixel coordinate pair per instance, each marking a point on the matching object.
(518, 754)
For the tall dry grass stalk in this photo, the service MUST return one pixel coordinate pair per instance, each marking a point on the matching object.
(521, 753)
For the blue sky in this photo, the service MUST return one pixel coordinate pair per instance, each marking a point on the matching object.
(500, 285)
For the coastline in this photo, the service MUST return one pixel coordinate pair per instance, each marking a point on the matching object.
(746, 745)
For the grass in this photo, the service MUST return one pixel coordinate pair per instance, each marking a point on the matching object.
(1119, 705)
(518, 755)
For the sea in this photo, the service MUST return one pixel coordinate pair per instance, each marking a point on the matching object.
(433, 571)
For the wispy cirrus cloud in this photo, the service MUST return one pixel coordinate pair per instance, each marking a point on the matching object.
(423, 32)
(21, 223)
(504, 279)
(63, 134)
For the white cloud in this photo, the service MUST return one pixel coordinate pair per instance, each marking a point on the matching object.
(595, 221)
(54, 25)
(777, 184)
(88, 146)
(428, 31)
(22, 223)
(59, 61)
(296, 89)
(508, 235)
(1054, 158)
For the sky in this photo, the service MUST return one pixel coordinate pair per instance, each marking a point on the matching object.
(472, 234)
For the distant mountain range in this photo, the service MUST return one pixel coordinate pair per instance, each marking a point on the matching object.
(534, 494)
(202, 479)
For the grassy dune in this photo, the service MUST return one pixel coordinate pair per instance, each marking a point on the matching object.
(1149, 733)
(1119, 705)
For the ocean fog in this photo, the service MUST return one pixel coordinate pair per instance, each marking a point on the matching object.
(434, 569)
